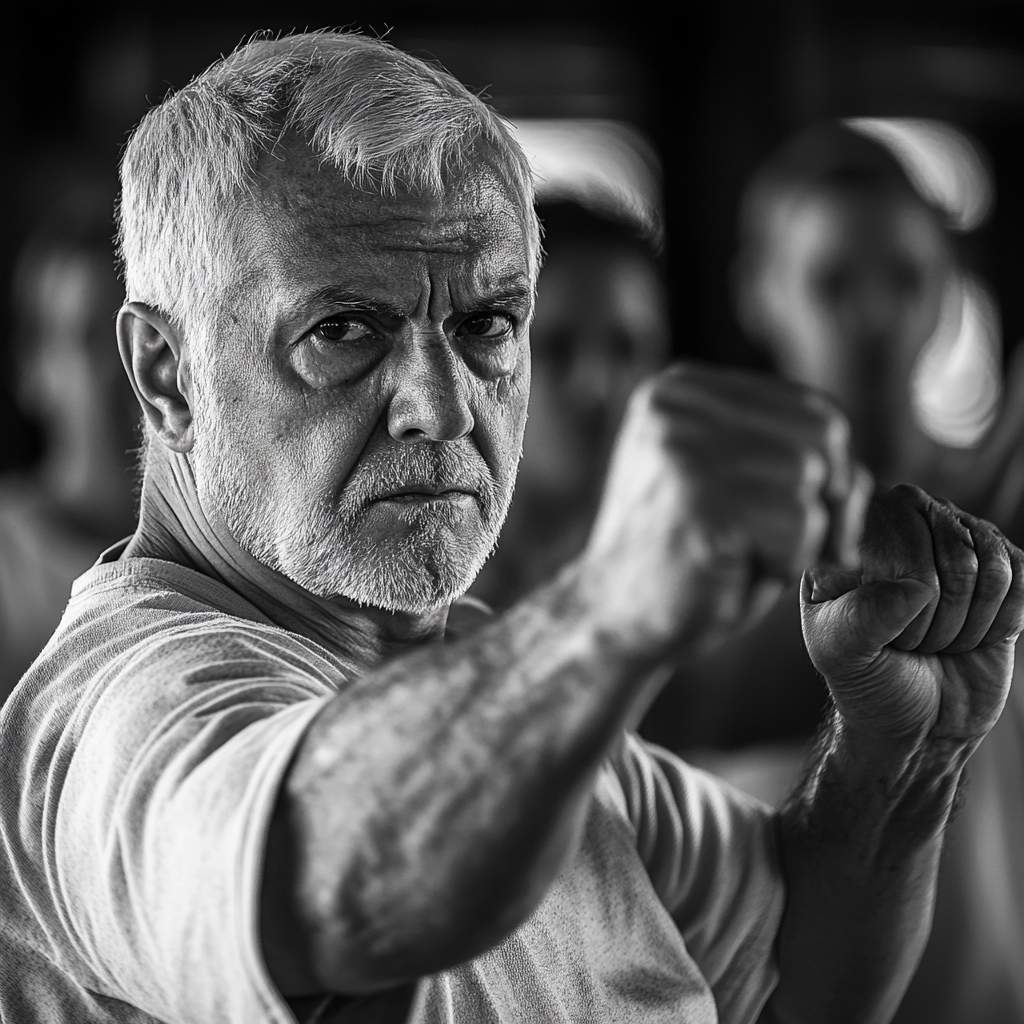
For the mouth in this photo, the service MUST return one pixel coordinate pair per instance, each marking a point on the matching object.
(425, 493)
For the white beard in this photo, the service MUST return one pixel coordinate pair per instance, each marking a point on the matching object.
(342, 546)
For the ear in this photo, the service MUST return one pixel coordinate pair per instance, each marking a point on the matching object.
(153, 356)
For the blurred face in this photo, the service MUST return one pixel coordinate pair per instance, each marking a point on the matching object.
(70, 350)
(359, 413)
(850, 291)
(601, 326)
(70, 374)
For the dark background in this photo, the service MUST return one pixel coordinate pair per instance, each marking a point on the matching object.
(715, 96)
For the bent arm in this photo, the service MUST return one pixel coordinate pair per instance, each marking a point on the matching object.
(917, 647)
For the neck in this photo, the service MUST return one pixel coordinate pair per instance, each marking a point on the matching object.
(173, 527)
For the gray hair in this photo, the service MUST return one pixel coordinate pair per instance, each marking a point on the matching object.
(382, 118)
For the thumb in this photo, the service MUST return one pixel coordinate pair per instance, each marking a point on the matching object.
(850, 631)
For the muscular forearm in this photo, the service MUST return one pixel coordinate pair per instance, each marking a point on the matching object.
(431, 804)
(860, 842)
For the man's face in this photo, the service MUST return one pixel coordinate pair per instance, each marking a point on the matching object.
(852, 287)
(359, 407)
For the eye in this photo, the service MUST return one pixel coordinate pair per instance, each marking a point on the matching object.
(486, 326)
(338, 350)
(340, 331)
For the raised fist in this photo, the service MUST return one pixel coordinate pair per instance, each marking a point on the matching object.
(723, 487)
(919, 640)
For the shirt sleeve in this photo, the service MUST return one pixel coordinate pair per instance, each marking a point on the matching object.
(156, 854)
(711, 854)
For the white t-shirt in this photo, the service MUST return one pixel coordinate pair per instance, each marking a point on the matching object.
(141, 758)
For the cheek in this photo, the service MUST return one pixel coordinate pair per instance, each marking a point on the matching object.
(294, 446)
(513, 396)
(499, 412)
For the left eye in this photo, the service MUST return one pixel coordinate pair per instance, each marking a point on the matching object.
(486, 325)
(340, 331)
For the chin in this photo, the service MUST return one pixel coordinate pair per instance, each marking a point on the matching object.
(397, 557)
(415, 571)
(396, 580)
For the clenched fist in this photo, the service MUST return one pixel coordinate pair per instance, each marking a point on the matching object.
(918, 642)
(723, 487)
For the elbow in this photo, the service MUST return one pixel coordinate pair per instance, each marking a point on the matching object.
(367, 927)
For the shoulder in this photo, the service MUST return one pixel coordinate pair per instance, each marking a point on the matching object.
(144, 652)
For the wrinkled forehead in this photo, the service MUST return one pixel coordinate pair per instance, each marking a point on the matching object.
(299, 195)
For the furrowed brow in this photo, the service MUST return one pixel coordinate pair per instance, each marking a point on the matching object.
(512, 292)
(335, 296)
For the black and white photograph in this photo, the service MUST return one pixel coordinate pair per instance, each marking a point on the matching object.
(512, 514)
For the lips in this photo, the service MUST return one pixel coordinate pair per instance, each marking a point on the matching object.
(426, 492)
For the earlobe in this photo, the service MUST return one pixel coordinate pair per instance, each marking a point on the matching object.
(153, 356)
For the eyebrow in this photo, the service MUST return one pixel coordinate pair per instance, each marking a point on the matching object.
(509, 290)
(333, 295)
(511, 295)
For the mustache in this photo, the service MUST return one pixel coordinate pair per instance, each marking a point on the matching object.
(434, 465)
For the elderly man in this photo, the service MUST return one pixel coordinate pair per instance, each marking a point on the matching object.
(246, 781)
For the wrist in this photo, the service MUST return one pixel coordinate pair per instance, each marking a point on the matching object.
(890, 794)
(865, 753)
(670, 606)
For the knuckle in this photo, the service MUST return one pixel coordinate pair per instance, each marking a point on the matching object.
(909, 494)
(1017, 580)
(996, 578)
(1015, 556)
(958, 584)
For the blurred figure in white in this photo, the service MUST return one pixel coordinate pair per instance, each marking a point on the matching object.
(601, 325)
(848, 274)
(55, 519)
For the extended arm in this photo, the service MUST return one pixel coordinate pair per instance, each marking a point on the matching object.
(430, 805)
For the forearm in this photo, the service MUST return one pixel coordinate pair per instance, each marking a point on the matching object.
(431, 804)
(860, 844)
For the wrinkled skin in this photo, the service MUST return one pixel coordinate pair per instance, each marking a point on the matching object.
(946, 673)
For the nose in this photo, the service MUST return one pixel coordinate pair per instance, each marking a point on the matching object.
(429, 400)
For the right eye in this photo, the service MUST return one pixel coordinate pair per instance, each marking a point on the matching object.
(338, 350)
(341, 330)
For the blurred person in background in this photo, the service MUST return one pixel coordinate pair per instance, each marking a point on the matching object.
(848, 274)
(79, 499)
(601, 325)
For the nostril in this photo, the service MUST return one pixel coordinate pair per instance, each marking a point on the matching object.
(414, 434)
(418, 421)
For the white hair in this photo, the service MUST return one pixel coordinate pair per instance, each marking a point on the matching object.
(382, 118)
